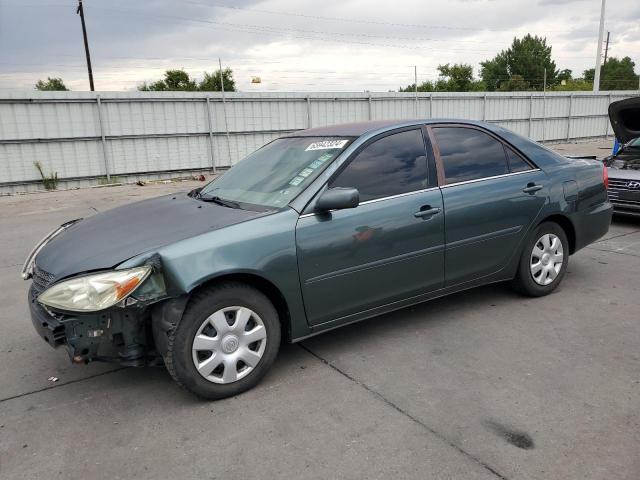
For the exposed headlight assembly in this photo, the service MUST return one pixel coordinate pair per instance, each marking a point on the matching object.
(27, 268)
(91, 293)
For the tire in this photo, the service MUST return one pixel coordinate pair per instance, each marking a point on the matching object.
(222, 350)
(536, 279)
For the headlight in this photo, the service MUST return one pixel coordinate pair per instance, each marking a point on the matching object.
(94, 292)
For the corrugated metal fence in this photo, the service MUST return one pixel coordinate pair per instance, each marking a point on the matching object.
(89, 138)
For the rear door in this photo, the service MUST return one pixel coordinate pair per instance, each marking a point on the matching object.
(491, 196)
(388, 248)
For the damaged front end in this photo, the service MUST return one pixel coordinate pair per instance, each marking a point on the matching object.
(121, 333)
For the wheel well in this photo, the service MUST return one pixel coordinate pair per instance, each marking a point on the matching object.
(264, 286)
(568, 228)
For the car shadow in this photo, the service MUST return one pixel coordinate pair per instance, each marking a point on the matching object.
(425, 314)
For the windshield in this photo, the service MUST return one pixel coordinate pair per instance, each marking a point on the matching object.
(634, 143)
(276, 173)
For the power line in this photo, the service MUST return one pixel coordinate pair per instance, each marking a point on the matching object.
(353, 20)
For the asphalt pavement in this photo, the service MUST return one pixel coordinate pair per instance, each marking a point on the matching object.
(484, 384)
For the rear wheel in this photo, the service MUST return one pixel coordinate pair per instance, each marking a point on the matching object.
(225, 342)
(544, 260)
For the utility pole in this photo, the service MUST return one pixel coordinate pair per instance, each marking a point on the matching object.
(596, 76)
(544, 105)
(221, 78)
(415, 86)
(80, 11)
(606, 50)
(224, 110)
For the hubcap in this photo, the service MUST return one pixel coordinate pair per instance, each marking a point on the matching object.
(229, 344)
(547, 258)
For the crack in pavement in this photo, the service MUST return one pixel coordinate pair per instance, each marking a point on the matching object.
(613, 251)
(70, 382)
(12, 265)
(615, 236)
(405, 413)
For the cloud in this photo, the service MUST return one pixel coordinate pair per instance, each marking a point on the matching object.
(350, 45)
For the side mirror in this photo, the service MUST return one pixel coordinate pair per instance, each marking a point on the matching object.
(337, 199)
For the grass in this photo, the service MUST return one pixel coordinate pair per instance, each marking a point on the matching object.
(51, 181)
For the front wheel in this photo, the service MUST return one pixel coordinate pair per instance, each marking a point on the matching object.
(225, 342)
(544, 260)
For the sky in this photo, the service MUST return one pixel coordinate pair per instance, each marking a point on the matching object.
(328, 45)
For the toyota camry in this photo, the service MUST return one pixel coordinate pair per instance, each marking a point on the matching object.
(315, 230)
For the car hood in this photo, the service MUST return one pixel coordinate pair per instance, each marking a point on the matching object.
(107, 239)
(625, 164)
(625, 119)
(623, 173)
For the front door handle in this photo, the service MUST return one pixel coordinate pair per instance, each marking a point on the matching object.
(532, 188)
(426, 211)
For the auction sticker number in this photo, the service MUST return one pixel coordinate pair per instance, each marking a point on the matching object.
(326, 145)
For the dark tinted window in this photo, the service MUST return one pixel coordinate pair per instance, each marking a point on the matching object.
(516, 163)
(469, 154)
(392, 165)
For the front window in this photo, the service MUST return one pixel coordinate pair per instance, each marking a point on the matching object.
(275, 174)
(393, 165)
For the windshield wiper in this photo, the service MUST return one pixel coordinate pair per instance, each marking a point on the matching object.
(220, 201)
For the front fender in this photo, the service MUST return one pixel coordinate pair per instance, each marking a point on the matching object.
(264, 247)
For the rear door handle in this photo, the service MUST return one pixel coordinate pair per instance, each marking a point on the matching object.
(532, 188)
(426, 211)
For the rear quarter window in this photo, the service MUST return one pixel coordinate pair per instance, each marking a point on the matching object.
(516, 162)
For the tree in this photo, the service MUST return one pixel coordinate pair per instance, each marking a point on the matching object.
(423, 87)
(615, 75)
(527, 57)
(573, 85)
(211, 81)
(453, 78)
(564, 75)
(52, 84)
(515, 84)
(174, 80)
(179, 80)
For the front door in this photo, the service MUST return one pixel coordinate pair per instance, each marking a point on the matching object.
(388, 248)
(491, 196)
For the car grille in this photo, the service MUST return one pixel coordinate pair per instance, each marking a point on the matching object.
(41, 279)
(620, 194)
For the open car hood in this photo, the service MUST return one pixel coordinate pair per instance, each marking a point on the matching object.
(625, 119)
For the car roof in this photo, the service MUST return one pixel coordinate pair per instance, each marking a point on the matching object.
(357, 129)
(540, 155)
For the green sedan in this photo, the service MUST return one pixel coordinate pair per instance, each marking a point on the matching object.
(315, 230)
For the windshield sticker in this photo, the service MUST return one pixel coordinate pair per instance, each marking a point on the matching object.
(302, 175)
(326, 145)
(320, 160)
(296, 181)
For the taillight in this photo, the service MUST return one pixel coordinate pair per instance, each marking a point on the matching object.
(605, 176)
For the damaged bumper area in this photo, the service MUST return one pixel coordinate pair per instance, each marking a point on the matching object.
(117, 335)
